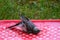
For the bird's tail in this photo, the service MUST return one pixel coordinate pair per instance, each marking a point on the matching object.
(23, 17)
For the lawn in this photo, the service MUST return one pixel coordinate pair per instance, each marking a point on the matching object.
(39, 9)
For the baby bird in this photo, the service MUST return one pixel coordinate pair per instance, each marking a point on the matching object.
(27, 25)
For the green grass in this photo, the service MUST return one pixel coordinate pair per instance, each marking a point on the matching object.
(44, 9)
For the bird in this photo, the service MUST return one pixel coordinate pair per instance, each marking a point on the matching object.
(27, 25)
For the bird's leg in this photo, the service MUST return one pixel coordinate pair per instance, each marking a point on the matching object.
(18, 24)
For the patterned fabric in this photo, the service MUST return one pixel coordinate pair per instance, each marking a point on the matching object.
(49, 31)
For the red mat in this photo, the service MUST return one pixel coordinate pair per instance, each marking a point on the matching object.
(50, 30)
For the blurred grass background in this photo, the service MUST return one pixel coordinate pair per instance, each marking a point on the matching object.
(34, 9)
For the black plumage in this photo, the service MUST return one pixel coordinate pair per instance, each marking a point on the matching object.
(27, 25)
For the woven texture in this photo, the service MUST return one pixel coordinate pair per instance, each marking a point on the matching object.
(49, 31)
